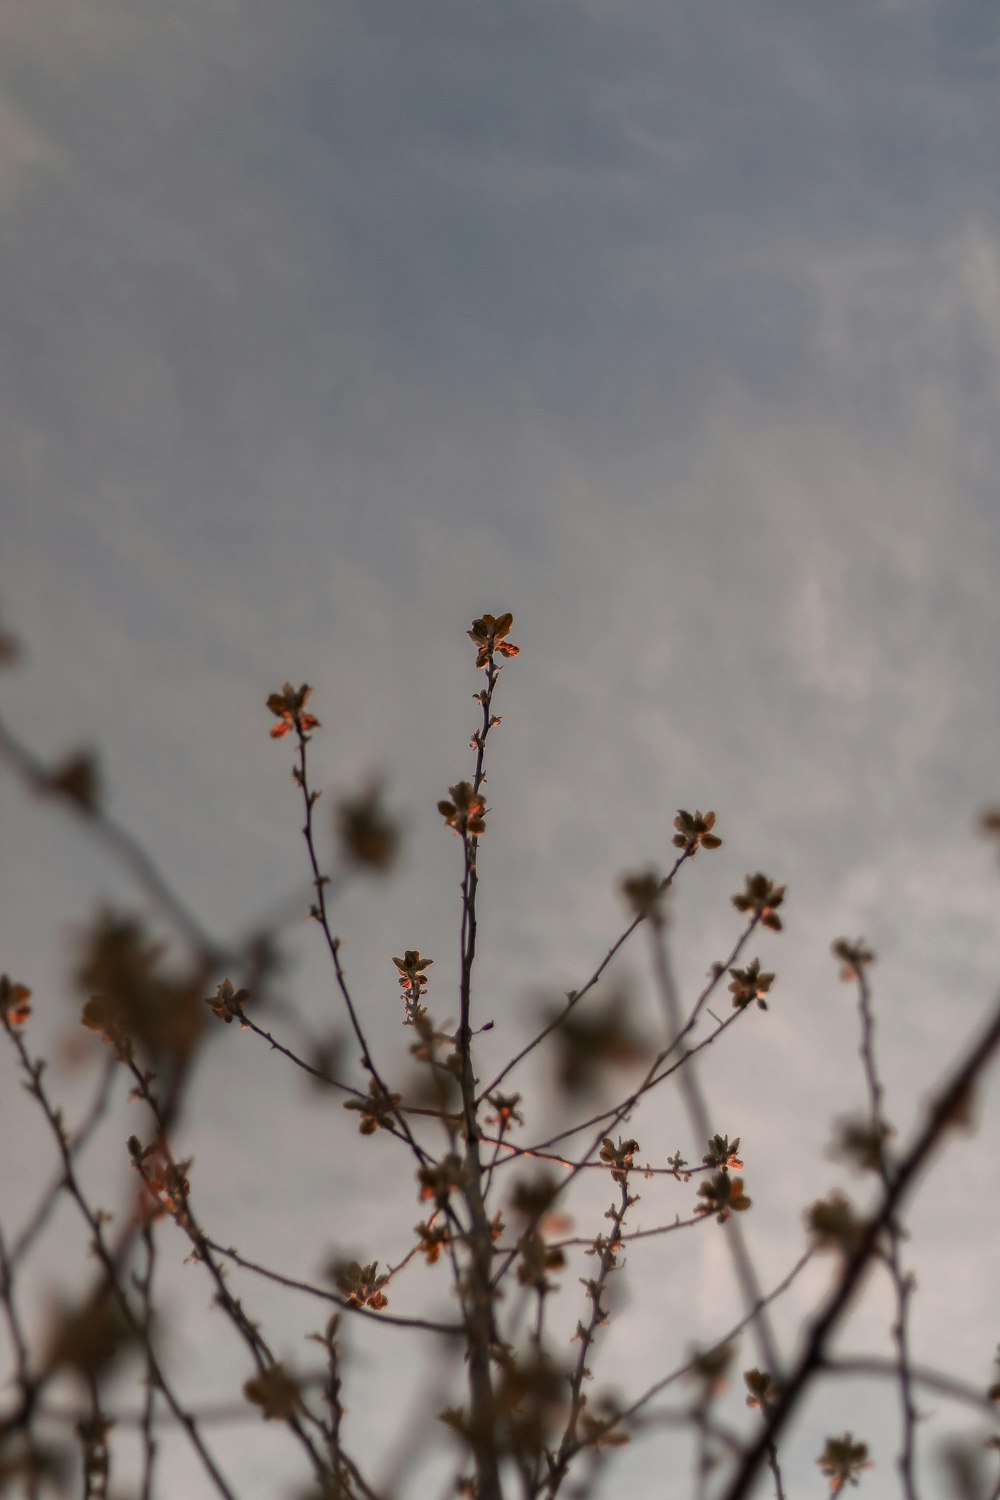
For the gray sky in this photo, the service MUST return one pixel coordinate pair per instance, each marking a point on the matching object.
(673, 328)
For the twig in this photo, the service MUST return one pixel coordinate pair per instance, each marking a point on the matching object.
(310, 1290)
(698, 1114)
(947, 1108)
(902, 1282)
(477, 1301)
(575, 996)
(628, 1413)
(144, 1285)
(109, 1264)
(22, 1363)
(320, 913)
(607, 1248)
(932, 1380)
(75, 1146)
(658, 1071)
(121, 843)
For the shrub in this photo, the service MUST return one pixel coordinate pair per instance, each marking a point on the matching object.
(497, 1206)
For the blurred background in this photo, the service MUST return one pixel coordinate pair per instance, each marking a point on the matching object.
(673, 329)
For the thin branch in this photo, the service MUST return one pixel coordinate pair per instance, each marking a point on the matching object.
(630, 1412)
(948, 1386)
(609, 1120)
(23, 1377)
(293, 1057)
(903, 1283)
(109, 1262)
(532, 1154)
(311, 1290)
(607, 1248)
(701, 1123)
(635, 1234)
(949, 1107)
(75, 1146)
(477, 1300)
(144, 1284)
(658, 1071)
(320, 913)
(176, 1199)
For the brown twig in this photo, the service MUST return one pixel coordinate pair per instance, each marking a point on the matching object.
(309, 1289)
(575, 996)
(903, 1283)
(697, 1108)
(946, 1110)
(109, 1262)
(659, 1072)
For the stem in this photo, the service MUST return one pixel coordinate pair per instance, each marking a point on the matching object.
(902, 1282)
(947, 1108)
(479, 1303)
(699, 1117)
(110, 1265)
(321, 914)
(609, 1248)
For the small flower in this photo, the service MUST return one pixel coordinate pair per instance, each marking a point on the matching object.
(723, 1153)
(750, 984)
(532, 1196)
(465, 813)
(368, 835)
(843, 1461)
(694, 832)
(89, 1338)
(433, 1239)
(862, 1141)
(361, 1285)
(377, 1111)
(619, 1158)
(762, 898)
(288, 707)
(834, 1224)
(989, 823)
(276, 1393)
(438, 1182)
(413, 982)
(537, 1259)
(644, 893)
(507, 1113)
(76, 779)
(723, 1197)
(709, 1367)
(411, 970)
(853, 958)
(487, 635)
(227, 1003)
(109, 1017)
(166, 1182)
(760, 1387)
(15, 1002)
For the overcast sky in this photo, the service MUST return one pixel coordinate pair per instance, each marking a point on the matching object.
(673, 328)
